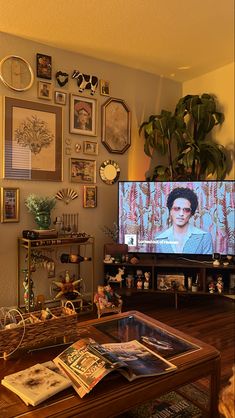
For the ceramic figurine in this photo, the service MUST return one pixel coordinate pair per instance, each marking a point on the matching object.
(129, 281)
(147, 275)
(220, 284)
(139, 283)
(211, 286)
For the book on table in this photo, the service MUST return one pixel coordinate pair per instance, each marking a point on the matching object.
(86, 362)
(37, 383)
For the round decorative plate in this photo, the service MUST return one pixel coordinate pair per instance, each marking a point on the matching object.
(16, 73)
(109, 171)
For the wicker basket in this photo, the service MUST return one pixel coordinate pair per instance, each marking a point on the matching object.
(28, 335)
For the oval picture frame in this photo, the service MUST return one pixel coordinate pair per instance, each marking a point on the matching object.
(116, 126)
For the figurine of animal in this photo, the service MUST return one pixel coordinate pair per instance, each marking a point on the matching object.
(118, 277)
(85, 81)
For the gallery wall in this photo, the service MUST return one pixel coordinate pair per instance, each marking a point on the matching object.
(144, 94)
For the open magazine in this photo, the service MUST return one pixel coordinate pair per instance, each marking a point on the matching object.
(86, 362)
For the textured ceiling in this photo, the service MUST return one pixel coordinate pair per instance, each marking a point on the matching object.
(157, 36)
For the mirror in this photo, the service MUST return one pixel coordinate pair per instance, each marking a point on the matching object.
(109, 172)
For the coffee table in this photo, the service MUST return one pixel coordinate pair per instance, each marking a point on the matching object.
(114, 394)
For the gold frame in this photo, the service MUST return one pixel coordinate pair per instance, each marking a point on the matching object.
(93, 148)
(87, 202)
(10, 213)
(47, 163)
(82, 170)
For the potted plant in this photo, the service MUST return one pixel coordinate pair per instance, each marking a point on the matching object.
(186, 130)
(41, 207)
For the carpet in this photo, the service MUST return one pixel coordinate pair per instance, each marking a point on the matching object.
(190, 401)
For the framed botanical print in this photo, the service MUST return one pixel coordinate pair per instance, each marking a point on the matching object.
(89, 196)
(83, 115)
(116, 126)
(10, 204)
(32, 140)
(90, 147)
(44, 66)
(82, 171)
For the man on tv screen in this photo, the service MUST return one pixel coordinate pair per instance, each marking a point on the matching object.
(181, 236)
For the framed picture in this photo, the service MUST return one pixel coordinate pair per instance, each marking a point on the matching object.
(60, 97)
(170, 281)
(44, 90)
(82, 171)
(104, 88)
(116, 126)
(89, 196)
(83, 115)
(90, 147)
(32, 140)
(10, 204)
(44, 66)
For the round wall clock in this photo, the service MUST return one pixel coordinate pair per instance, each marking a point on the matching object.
(109, 171)
(16, 73)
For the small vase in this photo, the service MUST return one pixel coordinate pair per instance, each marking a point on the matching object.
(43, 220)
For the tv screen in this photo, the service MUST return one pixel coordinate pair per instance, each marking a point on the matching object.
(177, 217)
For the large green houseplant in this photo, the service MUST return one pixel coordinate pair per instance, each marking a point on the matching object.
(184, 137)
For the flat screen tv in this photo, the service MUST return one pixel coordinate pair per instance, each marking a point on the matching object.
(182, 218)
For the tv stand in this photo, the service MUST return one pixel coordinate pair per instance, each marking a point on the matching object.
(194, 270)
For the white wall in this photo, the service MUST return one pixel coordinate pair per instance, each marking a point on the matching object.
(144, 93)
(220, 83)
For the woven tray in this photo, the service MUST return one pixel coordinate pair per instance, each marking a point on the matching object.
(28, 335)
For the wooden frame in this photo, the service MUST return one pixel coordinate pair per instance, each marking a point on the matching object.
(44, 90)
(104, 88)
(89, 196)
(83, 115)
(44, 66)
(25, 158)
(116, 126)
(82, 170)
(60, 97)
(10, 197)
(90, 147)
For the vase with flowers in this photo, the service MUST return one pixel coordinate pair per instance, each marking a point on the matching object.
(41, 207)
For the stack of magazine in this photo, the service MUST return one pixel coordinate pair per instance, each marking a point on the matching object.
(82, 365)
(86, 362)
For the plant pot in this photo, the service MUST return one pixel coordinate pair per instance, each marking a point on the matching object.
(43, 220)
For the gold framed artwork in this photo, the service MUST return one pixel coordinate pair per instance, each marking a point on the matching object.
(44, 90)
(90, 147)
(10, 197)
(116, 126)
(44, 66)
(83, 115)
(104, 88)
(89, 196)
(32, 140)
(82, 170)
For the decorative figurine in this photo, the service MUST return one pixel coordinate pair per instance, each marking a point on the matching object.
(129, 281)
(147, 275)
(67, 287)
(139, 283)
(118, 277)
(211, 286)
(220, 284)
(113, 297)
(101, 299)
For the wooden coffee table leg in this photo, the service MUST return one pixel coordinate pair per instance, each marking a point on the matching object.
(214, 389)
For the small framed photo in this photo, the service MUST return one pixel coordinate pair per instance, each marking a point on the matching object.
(44, 66)
(44, 90)
(10, 204)
(170, 281)
(104, 88)
(89, 196)
(83, 115)
(90, 147)
(82, 171)
(60, 97)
